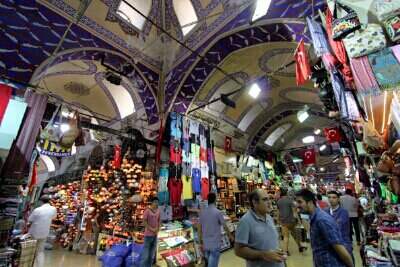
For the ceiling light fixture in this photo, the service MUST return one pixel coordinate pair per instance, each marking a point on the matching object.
(308, 139)
(261, 10)
(254, 91)
(302, 115)
(317, 131)
(321, 148)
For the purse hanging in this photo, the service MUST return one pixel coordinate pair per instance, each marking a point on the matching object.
(51, 132)
(366, 41)
(341, 27)
(392, 27)
(68, 138)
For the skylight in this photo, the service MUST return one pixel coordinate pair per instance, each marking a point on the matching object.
(277, 133)
(261, 9)
(186, 14)
(129, 14)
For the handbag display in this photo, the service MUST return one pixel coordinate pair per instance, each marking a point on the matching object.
(341, 27)
(69, 137)
(365, 41)
(51, 132)
(386, 9)
(392, 27)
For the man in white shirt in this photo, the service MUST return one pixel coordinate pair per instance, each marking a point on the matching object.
(350, 204)
(39, 226)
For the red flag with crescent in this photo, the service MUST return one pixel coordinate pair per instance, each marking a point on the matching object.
(228, 144)
(308, 156)
(332, 134)
(302, 66)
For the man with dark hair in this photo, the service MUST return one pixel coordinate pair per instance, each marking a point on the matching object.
(39, 226)
(209, 231)
(152, 224)
(341, 217)
(350, 203)
(326, 241)
(287, 216)
(257, 240)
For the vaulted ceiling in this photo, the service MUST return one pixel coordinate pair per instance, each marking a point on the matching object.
(163, 75)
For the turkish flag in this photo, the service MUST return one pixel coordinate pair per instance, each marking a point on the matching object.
(117, 157)
(228, 144)
(302, 67)
(333, 134)
(308, 156)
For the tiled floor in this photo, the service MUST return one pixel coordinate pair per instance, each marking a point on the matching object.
(63, 258)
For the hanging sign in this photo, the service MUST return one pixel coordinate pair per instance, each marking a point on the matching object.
(49, 149)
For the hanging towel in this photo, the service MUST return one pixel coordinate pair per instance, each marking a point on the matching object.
(385, 67)
(364, 78)
(318, 36)
(5, 95)
(396, 51)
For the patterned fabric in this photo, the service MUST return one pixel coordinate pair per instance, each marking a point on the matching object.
(387, 9)
(325, 233)
(345, 99)
(318, 36)
(392, 27)
(364, 78)
(341, 27)
(384, 64)
(366, 41)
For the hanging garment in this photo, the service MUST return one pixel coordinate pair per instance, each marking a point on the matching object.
(364, 78)
(5, 95)
(338, 48)
(385, 65)
(345, 99)
(318, 36)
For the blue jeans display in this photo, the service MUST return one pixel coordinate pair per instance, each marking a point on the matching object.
(149, 251)
(212, 257)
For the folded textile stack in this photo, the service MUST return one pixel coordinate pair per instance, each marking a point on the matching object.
(394, 251)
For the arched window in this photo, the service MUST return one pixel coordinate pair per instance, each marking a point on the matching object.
(186, 15)
(129, 14)
(277, 133)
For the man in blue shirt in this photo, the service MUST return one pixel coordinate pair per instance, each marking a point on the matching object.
(341, 217)
(326, 240)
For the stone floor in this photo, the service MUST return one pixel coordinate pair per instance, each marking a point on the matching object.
(71, 259)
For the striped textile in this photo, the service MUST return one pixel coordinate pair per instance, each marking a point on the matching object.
(16, 164)
(364, 78)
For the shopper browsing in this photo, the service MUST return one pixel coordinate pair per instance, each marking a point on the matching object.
(350, 204)
(39, 222)
(287, 216)
(209, 231)
(341, 217)
(257, 239)
(326, 240)
(152, 224)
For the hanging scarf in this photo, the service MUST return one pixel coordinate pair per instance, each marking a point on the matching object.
(345, 99)
(386, 69)
(338, 49)
(318, 37)
(5, 95)
(364, 78)
(396, 51)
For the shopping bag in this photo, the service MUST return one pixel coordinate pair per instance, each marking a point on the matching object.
(341, 27)
(51, 132)
(69, 137)
(392, 27)
(367, 40)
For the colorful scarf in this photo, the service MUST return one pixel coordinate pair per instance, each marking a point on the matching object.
(318, 37)
(364, 78)
(386, 69)
(396, 51)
